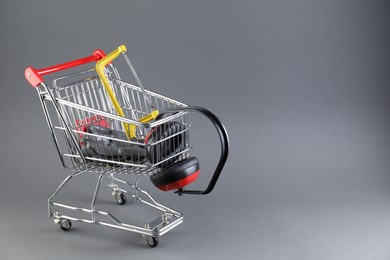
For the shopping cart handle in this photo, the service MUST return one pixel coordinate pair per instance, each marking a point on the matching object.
(34, 76)
(223, 135)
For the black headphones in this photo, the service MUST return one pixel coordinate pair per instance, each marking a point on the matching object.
(163, 142)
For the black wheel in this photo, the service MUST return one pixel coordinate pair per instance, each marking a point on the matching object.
(66, 225)
(153, 242)
(121, 199)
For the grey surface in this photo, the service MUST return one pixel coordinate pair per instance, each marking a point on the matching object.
(302, 87)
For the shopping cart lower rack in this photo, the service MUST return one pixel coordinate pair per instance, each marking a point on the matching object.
(101, 124)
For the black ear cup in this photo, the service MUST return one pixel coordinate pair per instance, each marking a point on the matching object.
(178, 175)
(161, 144)
(166, 141)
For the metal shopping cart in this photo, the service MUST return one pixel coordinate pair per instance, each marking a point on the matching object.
(102, 124)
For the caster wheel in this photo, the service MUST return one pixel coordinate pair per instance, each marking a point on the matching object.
(121, 199)
(65, 224)
(152, 241)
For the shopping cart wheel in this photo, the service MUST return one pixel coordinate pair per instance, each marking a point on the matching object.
(152, 241)
(120, 198)
(65, 224)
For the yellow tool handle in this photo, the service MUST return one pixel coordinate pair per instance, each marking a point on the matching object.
(149, 117)
(129, 129)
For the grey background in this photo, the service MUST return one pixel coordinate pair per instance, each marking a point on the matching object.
(302, 87)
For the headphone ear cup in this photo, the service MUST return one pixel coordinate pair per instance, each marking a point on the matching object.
(178, 175)
(159, 151)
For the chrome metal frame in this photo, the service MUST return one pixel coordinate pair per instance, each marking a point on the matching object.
(71, 103)
(161, 225)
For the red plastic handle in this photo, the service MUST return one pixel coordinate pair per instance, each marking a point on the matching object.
(34, 76)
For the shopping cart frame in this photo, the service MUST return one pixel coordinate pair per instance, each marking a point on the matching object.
(151, 231)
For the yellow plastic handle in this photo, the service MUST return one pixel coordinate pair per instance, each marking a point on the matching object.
(129, 128)
(149, 117)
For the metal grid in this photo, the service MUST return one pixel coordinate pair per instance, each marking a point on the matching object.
(98, 132)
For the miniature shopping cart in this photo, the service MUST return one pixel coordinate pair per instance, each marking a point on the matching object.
(101, 124)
